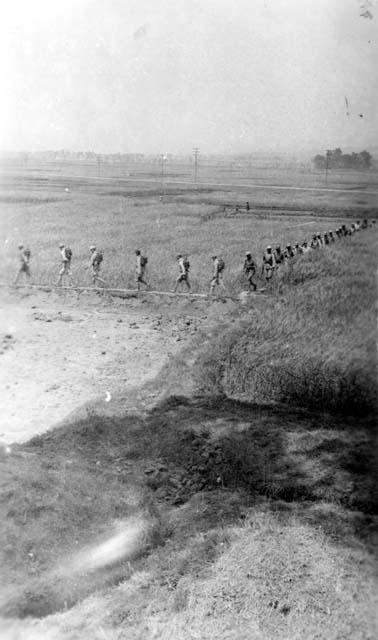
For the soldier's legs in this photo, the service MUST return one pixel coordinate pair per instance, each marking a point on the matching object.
(61, 274)
(18, 276)
(140, 280)
(65, 271)
(213, 283)
(23, 269)
(179, 279)
(96, 276)
(221, 283)
(252, 285)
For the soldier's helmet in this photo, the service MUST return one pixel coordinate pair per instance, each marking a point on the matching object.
(248, 254)
(269, 248)
(179, 255)
(92, 247)
(61, 245)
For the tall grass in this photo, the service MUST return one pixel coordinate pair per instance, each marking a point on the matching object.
(315, 347)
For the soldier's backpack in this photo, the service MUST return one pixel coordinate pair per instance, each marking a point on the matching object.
(221, 265)
(143, 261)
(27, 254)
(186, 264)
(99, 257)
(68, 253)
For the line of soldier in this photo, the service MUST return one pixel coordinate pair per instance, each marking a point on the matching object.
(272, 260)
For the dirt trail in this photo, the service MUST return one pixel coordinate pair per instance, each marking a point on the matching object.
(58, 354)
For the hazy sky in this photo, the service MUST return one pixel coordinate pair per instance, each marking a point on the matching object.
(166, 75)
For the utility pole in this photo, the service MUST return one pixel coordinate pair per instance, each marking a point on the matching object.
(163, 159)
(328, 155)
(195, 154)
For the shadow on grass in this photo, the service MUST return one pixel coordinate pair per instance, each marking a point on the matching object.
(71, 484)
(273, 451)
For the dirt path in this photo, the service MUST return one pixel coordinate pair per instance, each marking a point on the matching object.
(56, 355)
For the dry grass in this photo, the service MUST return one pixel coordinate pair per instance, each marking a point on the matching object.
(314, 347)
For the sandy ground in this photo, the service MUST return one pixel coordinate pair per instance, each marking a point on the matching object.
(59, 354)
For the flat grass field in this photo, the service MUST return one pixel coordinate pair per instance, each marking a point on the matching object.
(41, 207)
(231, 495)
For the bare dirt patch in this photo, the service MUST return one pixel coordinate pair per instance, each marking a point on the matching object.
(56, 354)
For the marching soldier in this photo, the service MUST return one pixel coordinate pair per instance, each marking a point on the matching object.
(249, 269)
(314, 242)
(289, 253)
(140, 269)
(66, 255)
(217, 279)
(24, 256)
(184, 266)
(269, 263)
(278, 256)
(95, 264)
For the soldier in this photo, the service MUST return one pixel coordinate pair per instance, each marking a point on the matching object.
(66, 254)
(319, 239)
(95, 264)
(217, 279)
(247, 207)
(278, 256)
(24, 256)
(325, 238)
(314, 242)
(305, 247)
(184, 266)
(249, 269)
(331, 236)
(140, 270)
(289, 253)
(297, 249)
(269, 263)
(364, 224)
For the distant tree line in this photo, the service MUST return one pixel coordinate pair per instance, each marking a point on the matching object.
(336, 159)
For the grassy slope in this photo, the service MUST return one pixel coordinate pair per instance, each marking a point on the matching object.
(314, 347)
(282, 544)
